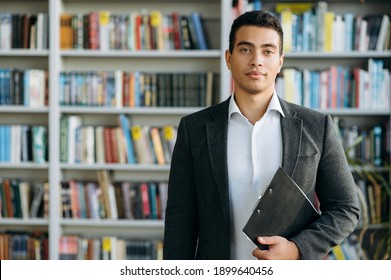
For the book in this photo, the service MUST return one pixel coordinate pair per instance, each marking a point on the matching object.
(169, 135)
(75, 200)
(78, 31)
(16, 201)
(146, 206)
(163, 187)
(99, 144)
(328, 31)
(142, 147)
(338, 253)
(119, 199)
(39, 144)
(125, 126)
(7, 195)
(374, 25)
(157, 145)
(156, 20)
(105, 185)
(104, 30)
(45, 200)
(108, 144)
(208, 89)
(107, 247)
(168, 32)
(176, 31)
(92, 197)
(36, 200)
(83, 207)
(125, 189)
(152, 197)
(112, 202)
(377, 145)
(122, 153)
(200, 35)
(68, 247)
(24, 190)
(6, 31)
(88, 144)
(66, 204)
(66, 32)
(185, 33)
(93, 30)
(286, 23)
(288, 202)
(73, 123)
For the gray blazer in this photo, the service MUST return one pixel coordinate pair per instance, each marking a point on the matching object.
(198, 216)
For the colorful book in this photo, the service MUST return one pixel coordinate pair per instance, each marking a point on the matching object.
(125, 126)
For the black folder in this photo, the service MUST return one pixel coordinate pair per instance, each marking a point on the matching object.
(282, 210)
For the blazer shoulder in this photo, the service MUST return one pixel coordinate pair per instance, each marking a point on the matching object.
(307, 114)
(219, 110)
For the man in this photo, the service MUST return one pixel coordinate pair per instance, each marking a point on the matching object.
(226, 155)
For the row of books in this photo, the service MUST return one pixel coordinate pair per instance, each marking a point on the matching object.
(23, 143)
(24, 246)
(24, 87)
(103, 199)
(337, 87)
(322, 30)
(145, 30)
(313, 27)
(24, 31)
(367, 145)
(377, 208)
(363, 244)
(124, 143)
(23, 199)
(74, 247)
(123, 89)
(349, 249)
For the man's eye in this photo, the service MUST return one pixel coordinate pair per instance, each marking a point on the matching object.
(268, 52)
(245, 50)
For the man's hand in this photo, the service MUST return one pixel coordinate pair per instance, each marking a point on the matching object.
(279, 249)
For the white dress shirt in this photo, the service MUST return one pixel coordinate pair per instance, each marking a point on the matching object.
(254, 155)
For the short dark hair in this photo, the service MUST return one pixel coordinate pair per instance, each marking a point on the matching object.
(258, 18)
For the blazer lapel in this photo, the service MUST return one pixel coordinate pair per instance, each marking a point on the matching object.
(291, 129)
(216, 131)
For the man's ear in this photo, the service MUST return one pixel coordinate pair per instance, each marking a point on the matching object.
(281, 63)
(228, 59)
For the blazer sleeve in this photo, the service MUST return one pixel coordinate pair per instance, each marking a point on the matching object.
(338, 199)
(181, 220)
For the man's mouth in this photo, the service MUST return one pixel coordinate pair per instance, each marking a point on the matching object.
(255, 74)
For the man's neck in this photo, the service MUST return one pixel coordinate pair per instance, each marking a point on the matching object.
(253, 106)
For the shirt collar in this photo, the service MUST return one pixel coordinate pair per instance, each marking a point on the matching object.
(274, 104)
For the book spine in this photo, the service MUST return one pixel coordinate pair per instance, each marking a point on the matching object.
(146, 209)
(37, 200)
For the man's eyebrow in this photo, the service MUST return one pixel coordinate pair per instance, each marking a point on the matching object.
(246, 43)
(269, 45)
(266, 45)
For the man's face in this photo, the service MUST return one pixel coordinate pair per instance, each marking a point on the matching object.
(255, 60)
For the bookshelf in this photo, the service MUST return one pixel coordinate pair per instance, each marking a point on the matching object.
(35, 58)
(217, 16)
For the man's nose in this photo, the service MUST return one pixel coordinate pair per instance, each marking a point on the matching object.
(257, 59)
